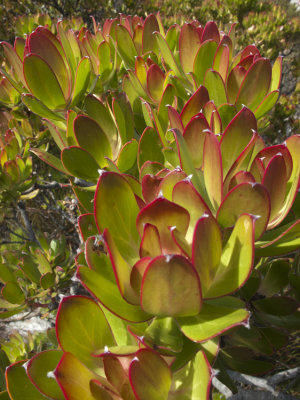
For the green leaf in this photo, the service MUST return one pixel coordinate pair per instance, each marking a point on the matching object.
(236, 259)
(12, 292)
(242, 359)
(215, 318)
(43, 82)
(39, 108)
(267, 104)
(50, 160)
(74, 378)
(87, 226)
(127, 156)
(246, 198)
(18, 384)
(276, 74)
(125, 46)
(171, 287)
(149, 376)
(204, 59)
(275, 277)
(82, 329)
(194, 135)
(168, 55)
(255, 85)
(215, 87)
(47, 280)
(91, 138)
(116, 209)
(103, 286)
(150, 148)
(207, 250)
(82, 79)
(150, 27)
(194, 105)
(124, 117)
(277, 305)
(164, 334)
(39, 370)
(97, 110)
(236, 137)
(189, 43)
(80, 163)
(163, 214)
(155, 82)
(193, 381)
(213, 171)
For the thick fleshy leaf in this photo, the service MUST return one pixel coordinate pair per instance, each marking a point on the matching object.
(207, 249)
(85, 196)
(204, 59)
(12, 293)
(213, 171)
(82, 79)
(126, 47)
(19, 385)
(244, 160)
(91, 138)
(194, 105)
(80, 163)
(121, 269)
(149, 41)
(169, 181)
(243, 360)
(194, 380)
(39, 108)
(255, 85)
(14, 61)
(150, 243)
(236, 137)
(171, 287)
(277, 305)
(168, 97)
(210, 31)
(194, 135)
(103, 286)
(275, 180)
(189, 43)
(116, 371)
(150, 187)
(127, 156)
(187, 196)
(234, 81)
(221, 60)
(215, 318)
(293, 145)
(164, 334)
(43, 43)
(215, 86)
(236, 261)
(150, 148)
(163, 213)
(276, 74)
(155, 82)
(40, 369)
(81, 329)
(267, 104)
(43, 83)
(124, 117)
(150, 376)
(167, 54)
(279, 241)
(246, 198)
(100, 392)
(116, 209)
(97, 110)
(74, 378)
(87, 226)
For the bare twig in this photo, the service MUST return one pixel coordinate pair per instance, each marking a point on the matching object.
(252, 381)
(27, 224)
(283, 376)
(221, 387)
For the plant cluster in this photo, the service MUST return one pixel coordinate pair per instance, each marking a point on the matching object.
(188, 220)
